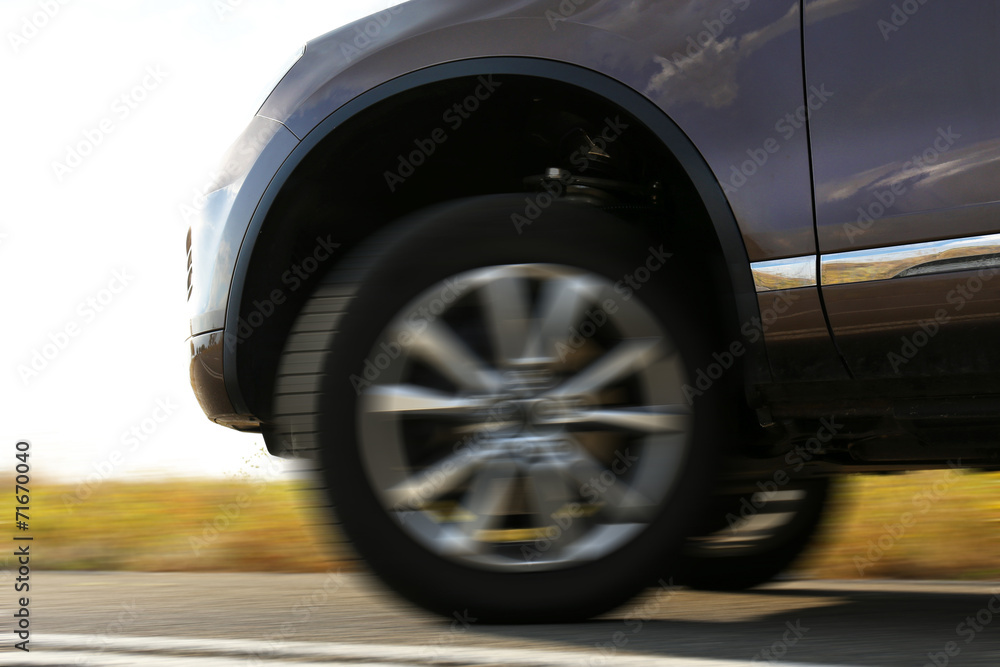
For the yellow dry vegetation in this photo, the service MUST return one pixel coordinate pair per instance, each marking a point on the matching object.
(929, 525)
(218, 526)
(942, 524)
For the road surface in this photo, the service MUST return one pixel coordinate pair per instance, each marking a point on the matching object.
(218, 620)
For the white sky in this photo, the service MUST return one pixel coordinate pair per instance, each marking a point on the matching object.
(62, 239)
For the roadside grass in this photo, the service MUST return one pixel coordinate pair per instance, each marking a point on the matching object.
(942, 524)
(182, 526)
(952, 530)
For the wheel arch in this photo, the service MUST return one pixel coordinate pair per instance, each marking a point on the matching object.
(269, 244)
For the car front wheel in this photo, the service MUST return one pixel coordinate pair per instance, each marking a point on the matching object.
(501, 418)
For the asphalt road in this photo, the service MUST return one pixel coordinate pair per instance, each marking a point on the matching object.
(343, 619)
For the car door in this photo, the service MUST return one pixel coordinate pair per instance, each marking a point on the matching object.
(906, 170)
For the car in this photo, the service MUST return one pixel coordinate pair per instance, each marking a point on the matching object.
(568, 300)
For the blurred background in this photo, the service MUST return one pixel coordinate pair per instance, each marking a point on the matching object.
(116, 114)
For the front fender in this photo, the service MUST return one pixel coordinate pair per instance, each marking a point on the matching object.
(730, 86)
(709, 189)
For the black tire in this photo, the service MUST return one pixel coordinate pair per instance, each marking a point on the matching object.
(374, 289)
(715, 562)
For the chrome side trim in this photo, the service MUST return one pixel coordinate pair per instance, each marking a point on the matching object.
(911, 260)
(858, 266)
(777, 274)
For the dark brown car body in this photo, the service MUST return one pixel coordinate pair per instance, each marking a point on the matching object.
(825, 140)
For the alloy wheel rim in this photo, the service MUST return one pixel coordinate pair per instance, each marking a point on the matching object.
(523, 416)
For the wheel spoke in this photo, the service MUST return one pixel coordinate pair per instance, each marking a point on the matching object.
(623, 503)
(549, 490)
(489, 495)
(414, 399)
(435, 481)
(505, 303)
(560, 307)
(624, 360)
(586, 471)
(439, 346)
(551, 495)
(664, 419)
